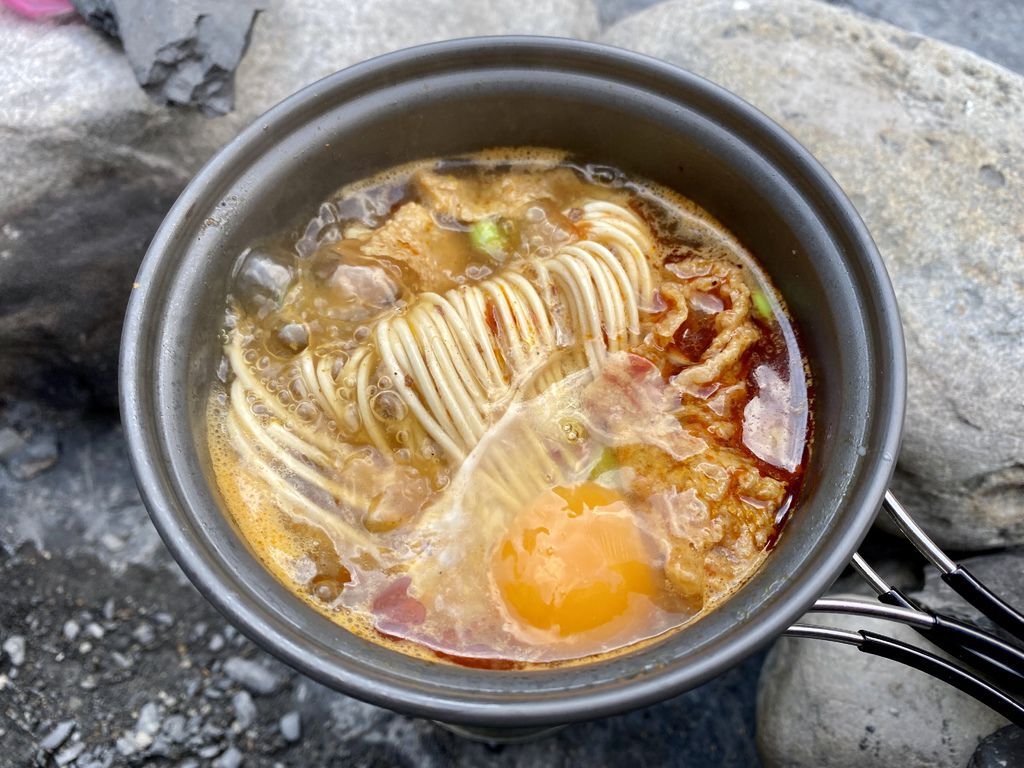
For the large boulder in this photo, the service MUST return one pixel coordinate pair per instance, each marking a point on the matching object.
(824, 705)
(1002, 749)
(89, 165)
(926, 140)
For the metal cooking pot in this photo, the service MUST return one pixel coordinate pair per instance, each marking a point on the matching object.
(636, 113)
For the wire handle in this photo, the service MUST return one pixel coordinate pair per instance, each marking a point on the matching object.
(962, 581)
(971, 589)
(982, 650)
(990, 655)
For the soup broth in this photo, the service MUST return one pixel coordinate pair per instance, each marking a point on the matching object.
(508, 409)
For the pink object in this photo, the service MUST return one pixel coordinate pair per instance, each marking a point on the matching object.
(38, 9)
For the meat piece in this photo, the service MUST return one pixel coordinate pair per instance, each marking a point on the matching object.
(710, 293)
(717, 509)
(414, 240)
(481, 197)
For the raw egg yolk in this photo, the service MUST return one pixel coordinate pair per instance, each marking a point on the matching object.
(574, 562)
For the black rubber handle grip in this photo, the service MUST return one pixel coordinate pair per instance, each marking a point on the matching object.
(981, 597)
(947, 671)
(988, 654)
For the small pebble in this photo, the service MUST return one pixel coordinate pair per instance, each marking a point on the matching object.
(230, 759)
(14, 647)
(121, 660)
(245, 710)
(144, 633)
(34, 458)
(291, 727)
(55, 738)
(253, 676)
(174, 728)
(71, 630)
(112, 542)
(216, 643)
(149, 718)
(108, 609)
(94, 630)
(163, 618)
(69, 754)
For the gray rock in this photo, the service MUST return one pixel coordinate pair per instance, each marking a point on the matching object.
(988, 27)
(70, 630)
(231, 758)
(1003, 749)
(823, 705)
(99, 14)
(183, 53)
(291, 727)
(148, 722)
(14, 647)
(174, 729)
(89, 165)
(69, 754)
(245, 710)
(926, 140)
(56, 737)
(144, 633)
(35, 457)
(252, 675)
(83, 499)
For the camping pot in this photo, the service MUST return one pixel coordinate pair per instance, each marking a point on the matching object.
(601, 104)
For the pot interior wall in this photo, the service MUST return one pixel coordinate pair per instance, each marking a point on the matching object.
(643, 120)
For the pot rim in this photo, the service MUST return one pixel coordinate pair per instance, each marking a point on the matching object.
(148, 455)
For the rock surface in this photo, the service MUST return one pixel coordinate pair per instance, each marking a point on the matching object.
(990, 28)
(183, 53)
(925, 139)
(1003, 749)
(824, 705)
(89, 165)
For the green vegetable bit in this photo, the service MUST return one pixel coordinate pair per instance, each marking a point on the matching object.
(487, 237)
(606, 463)
(762, 306)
